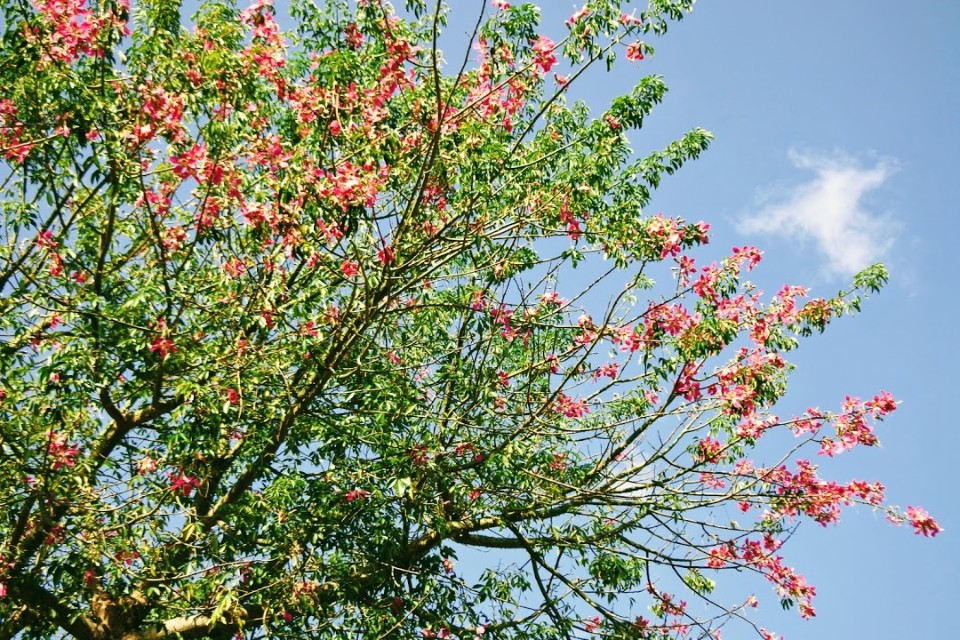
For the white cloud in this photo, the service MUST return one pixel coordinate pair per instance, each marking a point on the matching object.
(829, 210)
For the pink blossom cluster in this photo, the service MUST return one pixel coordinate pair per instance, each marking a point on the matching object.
(164, 346)
(570, 407)
(161, 113)
(687, 385)
(666, 233)
(804, 492)
(709, 449)
(11, 133)
(72, 29)
(351, 185)
(736, 384)
(759, 555)
(543, 53)
(489, 98)
(660, 319)
(267, 52)
(851, 424)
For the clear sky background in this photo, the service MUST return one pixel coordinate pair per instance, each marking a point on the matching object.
(837, 125)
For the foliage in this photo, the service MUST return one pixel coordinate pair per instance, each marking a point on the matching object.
(288, 326)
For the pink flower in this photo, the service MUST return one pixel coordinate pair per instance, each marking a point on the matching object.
(349, 268)
(60, 451)
(181, 482)
(164, 346)
(386, 255)
(335, 128)
(751, 255)
(635, 51)
(45, 239)
(356, 494)
(609, 370)
(190, 163)
(543, 53)
(708, 450)
(591, 625)
(721, 555)
(235, 267)
(922, 523)
(572, 20)
(571, 408)
(146, 465)
(354, 37)
(881, 404)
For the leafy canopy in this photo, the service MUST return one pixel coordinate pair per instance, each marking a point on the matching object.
(290, 321)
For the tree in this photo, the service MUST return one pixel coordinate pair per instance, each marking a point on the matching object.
(286, 327)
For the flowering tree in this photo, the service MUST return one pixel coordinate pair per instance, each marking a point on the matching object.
(290, 321)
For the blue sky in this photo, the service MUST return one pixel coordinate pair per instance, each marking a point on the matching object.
(836, 129)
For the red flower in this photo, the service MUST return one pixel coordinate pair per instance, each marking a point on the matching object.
(349, 268)
(180, 481)
(60, 451)
(354, 37)
(922, 523)
(357, 494)
(571, 408)
(163, 345)
(386, 255)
